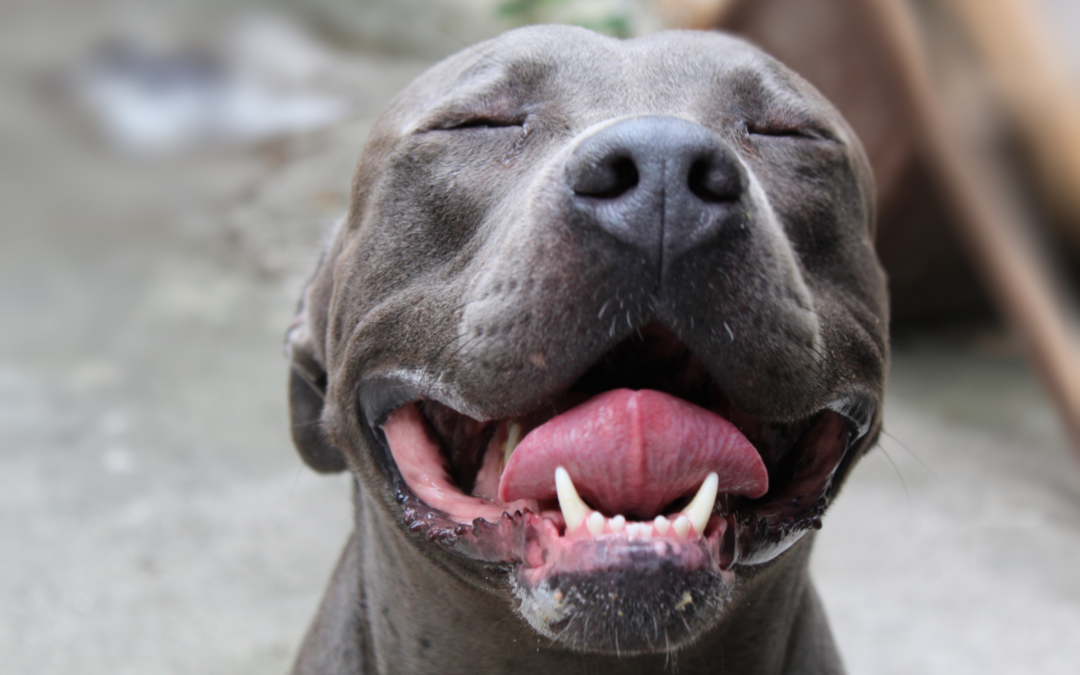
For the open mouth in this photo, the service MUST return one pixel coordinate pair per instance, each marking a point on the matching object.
(642, 461)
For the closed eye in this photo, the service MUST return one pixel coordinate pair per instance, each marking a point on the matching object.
(777, 131)
(462, 123)
(485, 122)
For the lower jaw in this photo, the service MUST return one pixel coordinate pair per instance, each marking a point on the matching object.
(534, 544)
(616, 594)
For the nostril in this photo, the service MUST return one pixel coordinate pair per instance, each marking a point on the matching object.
(608, 179)
(713, 181)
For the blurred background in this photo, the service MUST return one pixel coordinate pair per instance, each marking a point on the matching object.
(169, 170)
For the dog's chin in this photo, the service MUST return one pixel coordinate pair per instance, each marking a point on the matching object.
(624, 508)
(608, 594)
(647, 601)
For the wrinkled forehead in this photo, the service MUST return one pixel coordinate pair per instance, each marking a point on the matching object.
(590, 75)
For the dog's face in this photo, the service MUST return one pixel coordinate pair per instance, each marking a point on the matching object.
(605, 318)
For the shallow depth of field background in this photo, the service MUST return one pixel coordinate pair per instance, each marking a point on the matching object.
(154, 517)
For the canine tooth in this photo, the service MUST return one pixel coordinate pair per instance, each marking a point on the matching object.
(682, 526)
(573, 508)
(595, 523)
(617, 524)
(700, 508)
(662, 525)
(513, 436)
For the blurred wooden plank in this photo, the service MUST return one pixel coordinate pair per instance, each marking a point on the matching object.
(1035, 85)
(992, 226)
(690, 14)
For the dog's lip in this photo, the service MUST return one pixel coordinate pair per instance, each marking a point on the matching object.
(754, 531)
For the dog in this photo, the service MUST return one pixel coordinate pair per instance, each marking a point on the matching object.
(601, 336)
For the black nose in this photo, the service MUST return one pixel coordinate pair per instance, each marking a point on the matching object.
(661, 184)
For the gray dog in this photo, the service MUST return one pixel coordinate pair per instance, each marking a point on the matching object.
(601, 337)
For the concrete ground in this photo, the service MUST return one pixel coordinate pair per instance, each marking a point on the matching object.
(155, 519)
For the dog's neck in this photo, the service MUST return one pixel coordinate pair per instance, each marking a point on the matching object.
(391, 609)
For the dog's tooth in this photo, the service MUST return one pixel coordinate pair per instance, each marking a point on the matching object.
(662, 525)
(682, 526)
(573, 509)
(701, 506)
(595, 523)
(617, 524)
(513, 437)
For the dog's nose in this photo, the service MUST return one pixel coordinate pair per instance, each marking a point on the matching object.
(661, 184)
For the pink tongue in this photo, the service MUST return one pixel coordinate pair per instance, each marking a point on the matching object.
(632, 453)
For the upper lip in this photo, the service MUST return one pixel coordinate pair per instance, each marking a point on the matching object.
(802, 457)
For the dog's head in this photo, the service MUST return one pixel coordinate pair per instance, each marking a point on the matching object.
(605, 316)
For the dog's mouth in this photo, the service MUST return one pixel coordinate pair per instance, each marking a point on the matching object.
(642, 458)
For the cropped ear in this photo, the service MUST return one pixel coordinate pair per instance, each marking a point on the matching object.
(307, 392)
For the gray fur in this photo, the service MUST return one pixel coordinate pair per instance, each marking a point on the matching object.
(468, 270)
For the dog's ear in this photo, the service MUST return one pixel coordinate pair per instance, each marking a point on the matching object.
(307, 385)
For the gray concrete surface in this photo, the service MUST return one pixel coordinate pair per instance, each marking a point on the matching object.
(154, 518)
